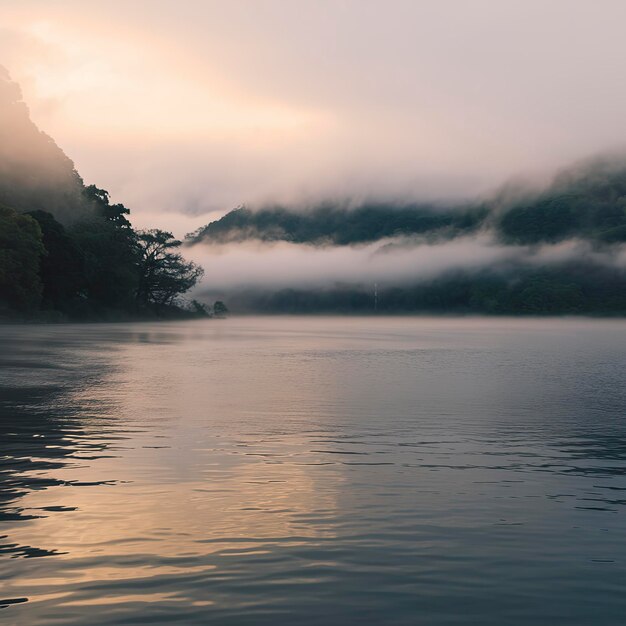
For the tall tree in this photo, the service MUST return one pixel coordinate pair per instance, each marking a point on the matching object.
(109, 246)
(163, 273)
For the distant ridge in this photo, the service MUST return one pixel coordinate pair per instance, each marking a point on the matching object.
(586, 202)
(563, 251)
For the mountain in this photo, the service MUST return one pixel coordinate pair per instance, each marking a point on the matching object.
(66, 252)
(338, 224)
(559, 250)
(586, 202)
(35, 174)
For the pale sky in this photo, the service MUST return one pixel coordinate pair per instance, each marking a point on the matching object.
(184, 109)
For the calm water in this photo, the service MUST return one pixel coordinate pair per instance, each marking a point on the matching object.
(314, 471)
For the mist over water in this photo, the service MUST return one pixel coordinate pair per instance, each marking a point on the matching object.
(309, 470)
(392, 261)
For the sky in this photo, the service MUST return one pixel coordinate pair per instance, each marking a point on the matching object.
(186, 109)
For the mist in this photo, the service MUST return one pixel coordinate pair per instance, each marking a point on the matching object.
(392, 262)
(34, 171)
(186, 114)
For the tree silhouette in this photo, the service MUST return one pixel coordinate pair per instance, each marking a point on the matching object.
(163, 273)
(220, 309)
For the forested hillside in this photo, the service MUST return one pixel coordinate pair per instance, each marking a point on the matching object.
(587, 202)
(67, 252)
(564, 250)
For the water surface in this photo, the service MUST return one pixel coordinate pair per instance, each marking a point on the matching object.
(314, 470)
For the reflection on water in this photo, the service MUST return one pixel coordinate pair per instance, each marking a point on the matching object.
(282, 471)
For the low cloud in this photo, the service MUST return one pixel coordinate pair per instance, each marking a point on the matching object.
(388, 262)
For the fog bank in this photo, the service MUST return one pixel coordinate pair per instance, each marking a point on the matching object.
(392, 261)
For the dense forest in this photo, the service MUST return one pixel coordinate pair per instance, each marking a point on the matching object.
(583, 204)
(587, 202)
(67, 252)
(338, 224)
(573, 288)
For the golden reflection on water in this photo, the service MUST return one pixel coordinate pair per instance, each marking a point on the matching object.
(128, 520)
(182, 477)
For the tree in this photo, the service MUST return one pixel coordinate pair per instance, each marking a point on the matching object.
(108, 244)
(111, 263)
(114, 213)
(220, 309)
(199, 308)
(62, 267)
(163, 273)
(21, 247)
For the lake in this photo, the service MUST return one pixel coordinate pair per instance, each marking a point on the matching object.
(314, 471)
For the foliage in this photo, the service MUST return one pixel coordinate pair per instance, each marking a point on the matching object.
(220, 309)
(575, 288)
(339, 225)
(588, 202)
(112, 213)
(199, 308)
(62, 266)
(163, 273)
(21, 247)
(74, 252)
(98, 267)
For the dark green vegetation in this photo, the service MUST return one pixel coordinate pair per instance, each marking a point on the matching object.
(20, 250)
(220, 309)
(339, 225)
(587, 203)
(574, 288)
(66, 252)
(97, 268)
